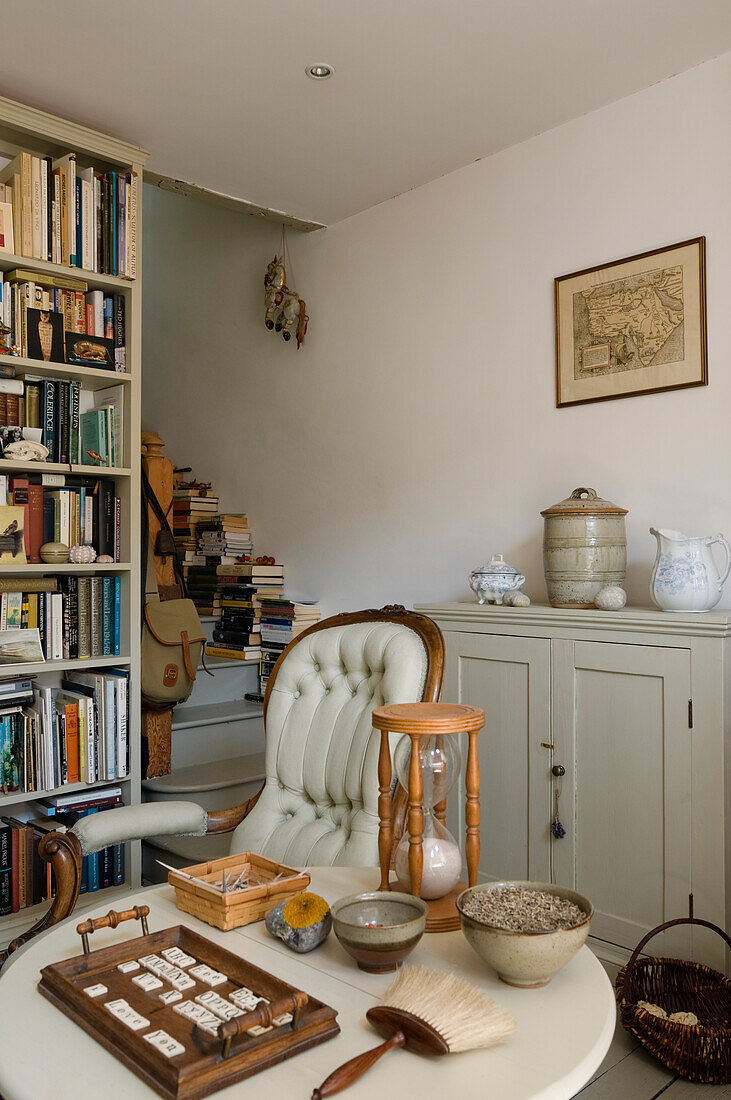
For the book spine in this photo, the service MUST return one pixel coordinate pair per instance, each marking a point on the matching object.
(95, 616)
(118, 865)
(106, 873)
(44, 209)
(120, 350)
(112, 177)
(121, 224)
(74, 405)
(117, 529)
(6, 870)
(36, 208)
(84, 598)
(49, 208)
(49, 417)
(107, 616)
(63, 435)
(35, 522)
(132, 235)
(117, 617)
(26, 202)
(78, 223)
(57, 243)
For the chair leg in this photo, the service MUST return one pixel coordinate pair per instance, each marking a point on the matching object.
(63, 852)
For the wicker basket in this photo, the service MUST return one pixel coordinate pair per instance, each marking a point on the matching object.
(701, 1052)
(197, 889)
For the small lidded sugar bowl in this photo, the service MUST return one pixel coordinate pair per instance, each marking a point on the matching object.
(493, 580)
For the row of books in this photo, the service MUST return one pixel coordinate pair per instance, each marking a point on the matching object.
(70, 508)
(72, 617)
(54, 736)
(26, 879)
(68, 213)
(53, 318)
(75, 425)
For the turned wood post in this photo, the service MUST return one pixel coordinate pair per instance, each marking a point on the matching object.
(416, 817)
(384, 809)
(159, 470)
(472, 809)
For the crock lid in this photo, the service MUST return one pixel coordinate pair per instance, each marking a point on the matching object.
(584, 502)
(496, 564)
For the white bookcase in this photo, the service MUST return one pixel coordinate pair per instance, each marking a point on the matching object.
(24, 128)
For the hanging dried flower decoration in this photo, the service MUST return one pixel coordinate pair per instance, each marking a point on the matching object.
(285, 310)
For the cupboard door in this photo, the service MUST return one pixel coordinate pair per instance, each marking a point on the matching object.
(510, 678)
(621, 731)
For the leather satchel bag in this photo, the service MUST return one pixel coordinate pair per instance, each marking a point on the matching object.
(172, 634)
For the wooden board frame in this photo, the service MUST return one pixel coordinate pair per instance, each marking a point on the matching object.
(202, 1069)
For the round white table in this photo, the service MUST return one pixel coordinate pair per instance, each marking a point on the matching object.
(563, 1032)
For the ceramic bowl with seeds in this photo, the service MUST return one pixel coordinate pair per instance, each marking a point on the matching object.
(526, 931)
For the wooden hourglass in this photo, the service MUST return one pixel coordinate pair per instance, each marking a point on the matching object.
(431, 766)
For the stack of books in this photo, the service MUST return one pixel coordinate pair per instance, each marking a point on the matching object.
(240, 587)
(25, 879)
(49, 316)
(193, 509)
(54, 736)
(66, 214)
(281, 621)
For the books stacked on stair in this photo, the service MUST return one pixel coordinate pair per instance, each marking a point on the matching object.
(248, 580)
(282, 620)
(236, 634)
(193, 510)
(223, 539)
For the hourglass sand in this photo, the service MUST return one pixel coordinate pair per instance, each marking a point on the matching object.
(427, 761)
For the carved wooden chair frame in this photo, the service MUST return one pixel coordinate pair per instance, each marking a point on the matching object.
(63, 851)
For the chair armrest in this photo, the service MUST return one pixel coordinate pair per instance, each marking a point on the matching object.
(97, 831)
(63, 851)
(225, 821)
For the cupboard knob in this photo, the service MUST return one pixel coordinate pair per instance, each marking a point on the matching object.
(558, 769)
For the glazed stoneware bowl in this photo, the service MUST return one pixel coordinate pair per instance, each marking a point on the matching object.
(379, 929)
(525, 959)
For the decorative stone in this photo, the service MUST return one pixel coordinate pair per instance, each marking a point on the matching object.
(516, 599)
(610, 598)
(302, 923)
(105, 559)
(54, 553)
(654, 1010)
(82, 555)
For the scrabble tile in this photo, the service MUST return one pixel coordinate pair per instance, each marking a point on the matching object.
(208, 975)
(259, 1030)
(129, 966)
(148, 982)
(178, 957)
(285, 1018)
(95, 990)
(219, 1006)
(164, 1043)
(181, 981)
(170, 997)
(126, 1015)
(210, 1029)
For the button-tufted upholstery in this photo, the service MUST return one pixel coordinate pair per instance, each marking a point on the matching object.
(319, 804)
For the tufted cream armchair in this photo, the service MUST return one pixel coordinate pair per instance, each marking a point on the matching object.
(319, 801)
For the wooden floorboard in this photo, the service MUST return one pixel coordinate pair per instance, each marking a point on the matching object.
(686, 1090)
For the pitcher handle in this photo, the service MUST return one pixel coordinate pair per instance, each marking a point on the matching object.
(727, 551)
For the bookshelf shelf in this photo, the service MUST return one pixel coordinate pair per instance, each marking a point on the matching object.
(63, 468)
(44, 567)
(8, 261)
(32, 668)
(27, 130)
(15, 798)
(91, 377)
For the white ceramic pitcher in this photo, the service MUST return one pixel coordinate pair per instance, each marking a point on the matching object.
(685, 576)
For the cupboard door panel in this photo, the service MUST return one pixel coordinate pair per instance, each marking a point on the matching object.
(627, 749)
(510, 679)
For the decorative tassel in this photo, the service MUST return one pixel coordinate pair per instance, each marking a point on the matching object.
(557, 830)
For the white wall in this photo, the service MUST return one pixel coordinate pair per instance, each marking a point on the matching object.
(416, 431)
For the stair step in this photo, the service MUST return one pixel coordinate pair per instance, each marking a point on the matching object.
(216, 714)
(213, 775)
(180, 851)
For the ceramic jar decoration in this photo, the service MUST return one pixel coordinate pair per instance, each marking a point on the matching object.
(493, 580)
(685, 576)
(584, 548)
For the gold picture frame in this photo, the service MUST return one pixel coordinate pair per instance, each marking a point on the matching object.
(633, 326)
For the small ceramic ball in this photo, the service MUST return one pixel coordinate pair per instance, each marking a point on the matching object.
(610, 598)
(54, 553)
(82, 555)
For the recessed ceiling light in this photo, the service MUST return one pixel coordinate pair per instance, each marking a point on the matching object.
(320, 72)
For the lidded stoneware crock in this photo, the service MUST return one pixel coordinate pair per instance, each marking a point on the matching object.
(584, 548)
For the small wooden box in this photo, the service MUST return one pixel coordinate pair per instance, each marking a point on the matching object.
(233, 908)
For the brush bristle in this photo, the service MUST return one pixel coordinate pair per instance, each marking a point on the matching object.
(464, 1017)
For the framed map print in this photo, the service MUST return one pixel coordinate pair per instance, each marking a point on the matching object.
(633, 326)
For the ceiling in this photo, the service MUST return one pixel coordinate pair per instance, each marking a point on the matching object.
(217, 90)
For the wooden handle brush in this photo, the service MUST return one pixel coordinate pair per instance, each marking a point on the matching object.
(430, 1013)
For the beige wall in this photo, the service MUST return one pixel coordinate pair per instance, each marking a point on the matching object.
(416, 431)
